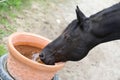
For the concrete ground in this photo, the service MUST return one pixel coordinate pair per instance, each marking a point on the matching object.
(49, 18)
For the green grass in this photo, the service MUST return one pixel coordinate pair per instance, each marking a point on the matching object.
(12, 4)
(8, 11)
(2, 49)
(6, 28)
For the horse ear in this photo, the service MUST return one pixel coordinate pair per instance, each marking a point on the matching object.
(80, 15)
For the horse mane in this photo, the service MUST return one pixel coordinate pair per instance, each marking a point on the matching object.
(105, 12)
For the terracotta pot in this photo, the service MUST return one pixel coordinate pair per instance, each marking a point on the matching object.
(22, 68)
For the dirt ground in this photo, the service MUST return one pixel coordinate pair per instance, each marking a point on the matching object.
(49, 19)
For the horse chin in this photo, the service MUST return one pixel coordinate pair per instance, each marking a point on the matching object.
(48, 61)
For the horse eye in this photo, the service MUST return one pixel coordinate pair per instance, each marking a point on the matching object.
(68, 38)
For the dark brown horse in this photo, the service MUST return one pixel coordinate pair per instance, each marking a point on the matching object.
(83, 34)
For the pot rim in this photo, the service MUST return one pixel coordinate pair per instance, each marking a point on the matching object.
(17, 55)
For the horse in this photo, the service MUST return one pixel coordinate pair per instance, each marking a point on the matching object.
(82, 35)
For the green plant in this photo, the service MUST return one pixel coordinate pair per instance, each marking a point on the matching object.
(2, 49)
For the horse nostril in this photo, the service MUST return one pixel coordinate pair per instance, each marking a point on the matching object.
(42, 56)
